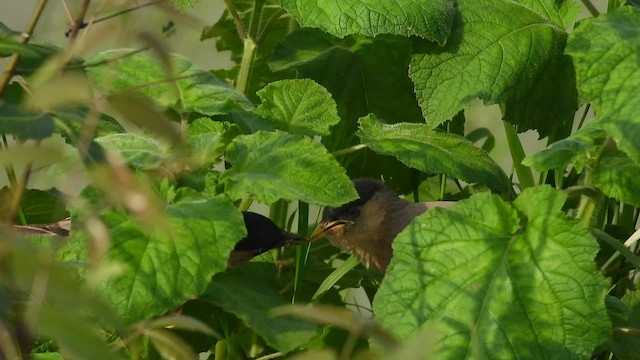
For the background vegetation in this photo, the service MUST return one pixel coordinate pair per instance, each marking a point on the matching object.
(152, 159)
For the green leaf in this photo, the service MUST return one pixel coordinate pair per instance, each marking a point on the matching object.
(175, 261)
(209, 139)
(42, 207)
(274, 165)
(422, 148)
(245, 292)
(82, 340)
(142, 112)
(498, 51)
(299, 106)
(498, 281)
(360, 73)
(179, 85)
(618, 177)
(15, 120)
(139, 151)
(184, 4)
(605, 51)
(580, 148)
(428, 19)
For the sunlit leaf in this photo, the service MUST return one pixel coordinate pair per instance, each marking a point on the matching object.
(618, 177)
(488, 274)
(428, 19)
(420, 147)
(605, 51)
(274, 165)
(139, 151)
(299, 106)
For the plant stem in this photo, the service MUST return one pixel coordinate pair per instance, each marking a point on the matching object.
(592, 8)
(236, 18)
(78, 21)
(588, 204)
(525, 176)
(265, 31)
(301, 259)
(255, 18)
(24, 38)
(349, 150)
(245, 65)
(584, 116)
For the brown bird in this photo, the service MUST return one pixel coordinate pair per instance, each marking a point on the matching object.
(367, 226)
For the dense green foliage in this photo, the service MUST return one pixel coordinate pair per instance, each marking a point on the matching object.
(163, 156)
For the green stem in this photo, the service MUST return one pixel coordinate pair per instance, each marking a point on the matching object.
(301, 259)
(349, 150)
(246, 203)
(584, 116)
(588, 204)
(525, 176)
(255, 18)
(25, 36)
(245, 65)
(592, 8)
(236, 18)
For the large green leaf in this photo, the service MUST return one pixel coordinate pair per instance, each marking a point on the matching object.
(498, 281)
(274, 165)
(246, 293)
(299, 106)
(606, 52)
(422, 148)
(15, 120)
(360, 73)
(428, 19)
(618, 177)
(498, 51)
(174, 262)
(140, 151)
(176, 83)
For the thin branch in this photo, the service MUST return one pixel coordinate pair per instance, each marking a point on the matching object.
(592, 8)
(81, 25)
(78, 21)
(242, 32)
(24, 38)
(584, 116)
(349, 150)
(272, 20)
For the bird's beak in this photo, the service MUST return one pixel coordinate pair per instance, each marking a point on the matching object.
(326, 226)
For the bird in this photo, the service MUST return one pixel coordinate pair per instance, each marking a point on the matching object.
(368, 225)
(262, 236)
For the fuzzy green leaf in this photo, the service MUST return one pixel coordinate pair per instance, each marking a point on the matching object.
(175, 261)
(618, 177)
(274, 165)
(299, 106)
(208, 139)
(176, 82)
(14, 120)
(139, 151)
(498, 281)
(498, 51)
(579, 148)
(246, 293)
(606, 52)
(428, 19)
(422, 148)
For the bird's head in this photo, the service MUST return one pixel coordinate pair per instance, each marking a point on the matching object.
(360, 218)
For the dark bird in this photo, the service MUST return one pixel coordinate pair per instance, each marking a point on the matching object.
(262, 236)
(367, 226)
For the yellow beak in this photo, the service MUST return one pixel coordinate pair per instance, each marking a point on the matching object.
(327, 226)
